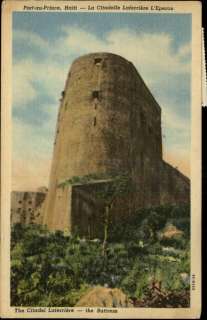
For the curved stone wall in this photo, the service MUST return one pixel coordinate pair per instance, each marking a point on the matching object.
(108, 122)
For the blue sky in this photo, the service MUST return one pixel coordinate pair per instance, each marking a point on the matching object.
(44, 46)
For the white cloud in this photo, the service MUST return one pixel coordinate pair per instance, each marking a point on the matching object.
(171, 120)
(27, 74)
(31, 39)
(77, 41)
(184, 50)
(32, 151)
(176, 139)
(23, 90)
(147, 51)
(49, 76)
(34, 141)
(176, 133)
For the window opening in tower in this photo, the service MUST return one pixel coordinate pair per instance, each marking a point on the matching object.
(142, 160)
(142, 119)
(97, 61)
(96, 94)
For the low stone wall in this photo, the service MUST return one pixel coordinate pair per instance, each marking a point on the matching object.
(174, 186)
(24, 206)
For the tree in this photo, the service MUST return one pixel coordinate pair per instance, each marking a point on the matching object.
(118, 187)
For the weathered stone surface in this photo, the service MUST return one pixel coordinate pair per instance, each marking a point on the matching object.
(108, 121)
(25, 206)
(104, 297)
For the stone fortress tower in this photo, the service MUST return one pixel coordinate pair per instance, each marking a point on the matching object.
(108, 121)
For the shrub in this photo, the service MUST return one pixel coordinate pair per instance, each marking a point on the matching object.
(55, 269)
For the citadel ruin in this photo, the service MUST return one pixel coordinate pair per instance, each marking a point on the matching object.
(108, 121)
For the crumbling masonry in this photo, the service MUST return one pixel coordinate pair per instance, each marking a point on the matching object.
(108, 121)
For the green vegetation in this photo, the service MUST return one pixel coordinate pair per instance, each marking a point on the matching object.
(86, 179)
(151, 266)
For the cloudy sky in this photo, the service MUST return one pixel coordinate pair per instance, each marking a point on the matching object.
(44, 46)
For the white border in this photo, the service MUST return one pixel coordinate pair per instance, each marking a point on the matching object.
(193, 7)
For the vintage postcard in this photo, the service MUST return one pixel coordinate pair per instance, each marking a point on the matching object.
(101, 159)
